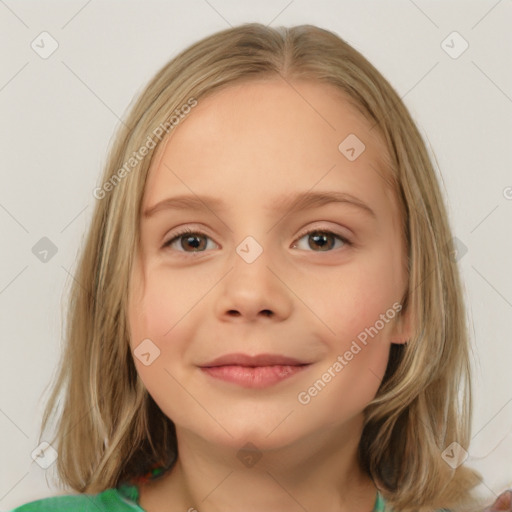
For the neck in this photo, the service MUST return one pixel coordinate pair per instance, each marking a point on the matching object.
(319, 472)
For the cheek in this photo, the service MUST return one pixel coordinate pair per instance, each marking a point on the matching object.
(354, 298)
(350, 306)
(160, 317)
(157, 317)
(357, 340)
(167, 300)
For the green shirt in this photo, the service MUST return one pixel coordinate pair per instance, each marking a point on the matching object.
(125, 498)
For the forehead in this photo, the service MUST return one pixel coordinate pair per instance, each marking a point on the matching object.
(252, 141)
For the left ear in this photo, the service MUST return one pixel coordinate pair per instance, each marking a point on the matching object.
(403, 327)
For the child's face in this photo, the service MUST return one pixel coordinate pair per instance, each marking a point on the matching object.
(252, 147)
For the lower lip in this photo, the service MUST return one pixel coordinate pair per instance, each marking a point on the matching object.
(254, 377)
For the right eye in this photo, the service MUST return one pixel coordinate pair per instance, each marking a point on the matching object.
(191, 238)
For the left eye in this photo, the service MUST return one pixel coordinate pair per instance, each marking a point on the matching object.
(321, 238)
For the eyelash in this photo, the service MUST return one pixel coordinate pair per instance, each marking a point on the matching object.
(189, 231)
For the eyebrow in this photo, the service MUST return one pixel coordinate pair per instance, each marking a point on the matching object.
(301, 201)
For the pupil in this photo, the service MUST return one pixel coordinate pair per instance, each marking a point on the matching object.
(318, 240)
(190, 240)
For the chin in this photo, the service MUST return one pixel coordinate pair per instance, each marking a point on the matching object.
(259, 433)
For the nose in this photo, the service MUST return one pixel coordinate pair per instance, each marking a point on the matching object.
(253, 290)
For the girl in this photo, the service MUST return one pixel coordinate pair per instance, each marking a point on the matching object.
(308, 350)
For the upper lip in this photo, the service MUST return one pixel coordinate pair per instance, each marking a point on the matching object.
(257, 360)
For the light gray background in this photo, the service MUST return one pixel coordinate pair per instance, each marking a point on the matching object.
(59, 114)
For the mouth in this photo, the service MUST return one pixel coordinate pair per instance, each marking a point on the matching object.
(254, 361)
(258, 371)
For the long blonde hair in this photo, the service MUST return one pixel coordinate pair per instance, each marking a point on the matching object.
(109, 428)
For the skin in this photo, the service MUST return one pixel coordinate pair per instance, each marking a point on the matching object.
(248, 145)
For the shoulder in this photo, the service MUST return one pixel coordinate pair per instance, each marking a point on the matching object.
(111, 500)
